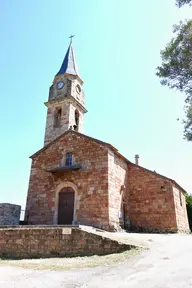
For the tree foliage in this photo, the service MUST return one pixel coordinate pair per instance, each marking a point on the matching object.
(189, 209)
(176, 68)
(183, 2)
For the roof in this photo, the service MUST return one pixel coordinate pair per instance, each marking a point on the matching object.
(77, 133)
(69, 65)
(162, 176)
(113, 149)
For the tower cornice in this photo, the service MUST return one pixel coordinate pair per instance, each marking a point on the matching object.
(63, 99)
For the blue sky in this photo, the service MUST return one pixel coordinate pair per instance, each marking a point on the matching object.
(117, 45)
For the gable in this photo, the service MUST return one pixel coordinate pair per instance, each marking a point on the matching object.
(84, 151)
(64, 136)
(58, 145)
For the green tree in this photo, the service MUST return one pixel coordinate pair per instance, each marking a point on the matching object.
(183, 2)
(189, 209)
(176, 68)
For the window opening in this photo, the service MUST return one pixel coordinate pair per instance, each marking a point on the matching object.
(76, 126)
(69, 159)
(58, 116)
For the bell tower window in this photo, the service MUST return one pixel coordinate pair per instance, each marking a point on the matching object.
(69, 159)
(76, 126)
(57, 120)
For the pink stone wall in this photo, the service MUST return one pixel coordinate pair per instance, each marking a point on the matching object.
(180, 209)
(30, 242)
(117, 177)
(91, 182)
(151, 204)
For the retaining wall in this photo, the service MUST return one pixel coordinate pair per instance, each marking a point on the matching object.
(53, 241)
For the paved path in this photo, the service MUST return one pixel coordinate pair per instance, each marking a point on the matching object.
(167, 264)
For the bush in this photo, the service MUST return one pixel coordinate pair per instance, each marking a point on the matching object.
(189, 208)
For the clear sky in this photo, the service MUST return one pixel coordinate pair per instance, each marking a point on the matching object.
(117, 45)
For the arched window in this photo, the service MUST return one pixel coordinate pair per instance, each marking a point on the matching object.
(76, 126)
(69, 159)
(57, 120)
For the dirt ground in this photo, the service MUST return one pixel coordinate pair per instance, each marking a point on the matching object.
(166, 264)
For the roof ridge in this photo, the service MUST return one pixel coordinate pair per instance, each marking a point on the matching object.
(157, 174)
(110, 146)
(74, 132)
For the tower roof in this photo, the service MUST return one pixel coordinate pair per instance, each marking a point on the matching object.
(69, 64)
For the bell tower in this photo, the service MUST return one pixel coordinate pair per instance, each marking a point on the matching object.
(65, 106)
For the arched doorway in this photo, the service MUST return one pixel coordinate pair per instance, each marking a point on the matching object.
(66, 206)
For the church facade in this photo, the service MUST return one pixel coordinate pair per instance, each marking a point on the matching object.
(77, 179)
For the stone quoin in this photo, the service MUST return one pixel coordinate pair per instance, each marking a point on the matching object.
(77, 179)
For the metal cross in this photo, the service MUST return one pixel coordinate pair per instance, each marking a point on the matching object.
(71, 37)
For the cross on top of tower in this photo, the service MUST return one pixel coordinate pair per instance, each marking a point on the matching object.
(71, 37)
(69, 65)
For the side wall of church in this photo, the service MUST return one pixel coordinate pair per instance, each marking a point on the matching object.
(151, 203)
(181, 210)
(117, 177)
(91, 182)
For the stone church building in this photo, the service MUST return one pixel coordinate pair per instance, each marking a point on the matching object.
(76, 179)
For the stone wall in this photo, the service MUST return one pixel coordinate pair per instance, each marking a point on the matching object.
(52, 132)
(180, 210)
(90, 182)
(51, 242)
(117, 179)
(68, 99)
(151, 204)
(9, 214)
(105, 177)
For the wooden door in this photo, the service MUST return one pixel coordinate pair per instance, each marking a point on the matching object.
(66, 206)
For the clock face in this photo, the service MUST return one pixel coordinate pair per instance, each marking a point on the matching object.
(60, 84)
(78, 89)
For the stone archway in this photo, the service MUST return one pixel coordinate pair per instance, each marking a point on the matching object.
(62, 188)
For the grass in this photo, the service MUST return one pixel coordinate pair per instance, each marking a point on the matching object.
(71, 263)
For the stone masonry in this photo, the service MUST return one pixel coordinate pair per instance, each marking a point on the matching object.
(76, 179)
(9, 214)
(55, 241)
(90, 182)
(153, 203)
(117, 185)
(105, 179)
(69, 98)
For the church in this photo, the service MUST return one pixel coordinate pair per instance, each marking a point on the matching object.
(76, 179)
